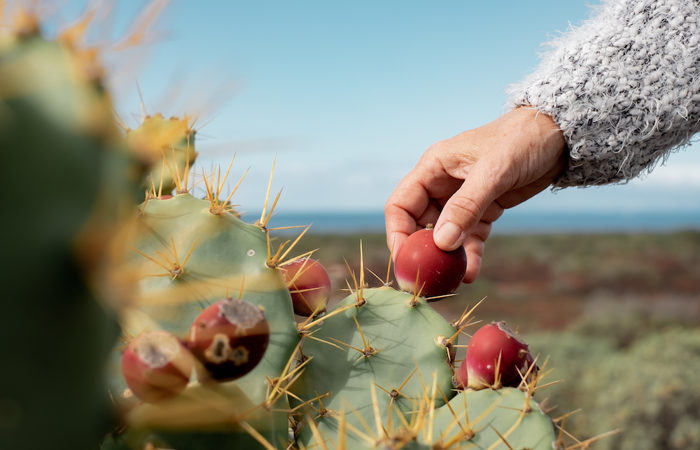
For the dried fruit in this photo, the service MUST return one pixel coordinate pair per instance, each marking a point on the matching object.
(156, 366)
(229, 338)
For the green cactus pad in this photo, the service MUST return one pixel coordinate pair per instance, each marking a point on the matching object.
(225, 254)
(405, 338)
(492, 413)
(497, 420)
(216, 255)
(204, 417)
(60, 154)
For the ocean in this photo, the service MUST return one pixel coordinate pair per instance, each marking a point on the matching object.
(512, 222)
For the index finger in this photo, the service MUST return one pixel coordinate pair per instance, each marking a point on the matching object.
(408, 201)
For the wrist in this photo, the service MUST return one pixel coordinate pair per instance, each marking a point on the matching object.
(546, 131)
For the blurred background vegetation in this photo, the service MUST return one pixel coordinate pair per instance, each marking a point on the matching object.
(617, 315)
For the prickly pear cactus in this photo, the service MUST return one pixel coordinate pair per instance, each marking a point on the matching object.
(63, 156)
(493, 419)
(379, 374)
(167, 145)
(213, 416)
(379, 338)
(189, 253)
(188, 257)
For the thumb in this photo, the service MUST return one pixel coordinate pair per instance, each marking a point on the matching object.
(464, 209)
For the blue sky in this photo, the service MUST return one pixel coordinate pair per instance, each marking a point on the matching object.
(350, 94)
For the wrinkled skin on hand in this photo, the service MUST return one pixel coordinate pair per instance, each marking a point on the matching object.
(463, 184)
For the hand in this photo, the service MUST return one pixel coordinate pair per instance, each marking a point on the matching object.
(464, 183)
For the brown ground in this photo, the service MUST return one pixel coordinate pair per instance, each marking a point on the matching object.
(546, 282)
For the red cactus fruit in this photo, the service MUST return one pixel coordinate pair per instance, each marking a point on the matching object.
(156, 366)
(461, 378)
(438, 272)
(309, 285)
(488, 344)
(229, 338)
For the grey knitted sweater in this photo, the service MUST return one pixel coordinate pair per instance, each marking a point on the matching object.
(624, 87)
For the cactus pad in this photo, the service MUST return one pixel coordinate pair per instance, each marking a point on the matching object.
(187, 258)
(398, 350)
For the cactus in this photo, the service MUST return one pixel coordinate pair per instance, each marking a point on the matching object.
(63, 155)
(386, 357)
(190, 257)
(189, 254)
(365, 342)
(167, 146)
(503, 418)
(206, 417)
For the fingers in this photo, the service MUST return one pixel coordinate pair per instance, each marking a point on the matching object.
(408, 201)
(474, 246)
(430, 215)
(492, 213)
(475, 254)
(483, 184)
(410, 205)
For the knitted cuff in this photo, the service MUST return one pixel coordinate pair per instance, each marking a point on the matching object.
(624, 88)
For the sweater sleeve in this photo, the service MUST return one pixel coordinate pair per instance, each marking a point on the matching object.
(624, 87)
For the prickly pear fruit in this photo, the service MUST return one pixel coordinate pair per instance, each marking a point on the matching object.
(229, 338)
(422, 266)
(309, 285)
(156, 366)
(461, 378)
(493, 344)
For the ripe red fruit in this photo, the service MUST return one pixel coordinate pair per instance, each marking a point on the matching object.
(486, 346)
(461, 378)
(309, 285)
(229, 338)
(438, 272)
(156, 366)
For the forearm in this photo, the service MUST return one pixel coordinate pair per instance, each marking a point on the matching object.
(624, 88)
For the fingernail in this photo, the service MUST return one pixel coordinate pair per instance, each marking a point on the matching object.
(448, 235)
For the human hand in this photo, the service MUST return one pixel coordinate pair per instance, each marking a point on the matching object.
(463, 184)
